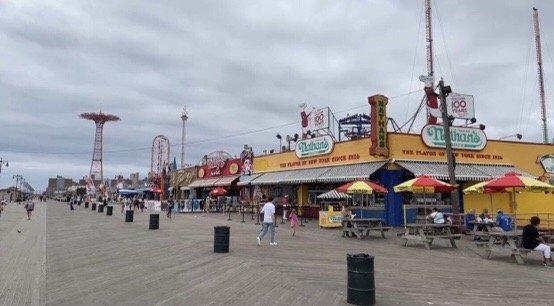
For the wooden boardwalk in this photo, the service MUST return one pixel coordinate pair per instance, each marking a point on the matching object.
(91, 258)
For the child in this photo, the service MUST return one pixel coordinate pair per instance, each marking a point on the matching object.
(293, 221)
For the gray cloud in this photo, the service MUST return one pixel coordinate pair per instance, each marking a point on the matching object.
(243, 65)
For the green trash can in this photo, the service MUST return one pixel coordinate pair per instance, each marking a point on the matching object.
(361, 279)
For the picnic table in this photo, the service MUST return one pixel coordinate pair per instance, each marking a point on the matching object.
(481, 229)
(360, 227)
(427, 232)
(505, 241)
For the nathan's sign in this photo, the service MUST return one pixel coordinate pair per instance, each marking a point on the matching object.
(463, 138)
(314, 146)
(379, 141)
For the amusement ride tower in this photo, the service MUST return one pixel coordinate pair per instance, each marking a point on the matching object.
(96, 171)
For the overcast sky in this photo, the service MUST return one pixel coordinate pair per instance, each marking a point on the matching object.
(244, 65)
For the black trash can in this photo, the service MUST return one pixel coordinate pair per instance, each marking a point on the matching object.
(109, 210)
(93, 206)
(221, 239)
(100, 208)
(361, 279)
(86, 205)
(154, 221)
(129, 216)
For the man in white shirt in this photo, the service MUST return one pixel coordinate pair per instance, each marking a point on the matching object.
(269, 222)
(437, 216)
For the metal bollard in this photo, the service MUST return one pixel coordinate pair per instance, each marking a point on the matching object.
(229, 211)
(258, 220)
(242, 209)
(252, 210)
(86, 205)
(93, 206)
(109, 210)
(361, 279)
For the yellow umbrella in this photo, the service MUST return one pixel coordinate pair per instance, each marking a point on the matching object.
(424, 184)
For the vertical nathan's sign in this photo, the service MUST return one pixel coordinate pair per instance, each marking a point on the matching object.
(379, 141)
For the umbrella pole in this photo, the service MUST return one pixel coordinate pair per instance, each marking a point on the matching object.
(425, 204)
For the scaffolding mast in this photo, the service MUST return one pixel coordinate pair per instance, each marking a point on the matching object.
(540, 73)
(429, 38)
(184, 118)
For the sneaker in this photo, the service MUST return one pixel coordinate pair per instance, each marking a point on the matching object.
(273, 243)
(258, 242)
(546, 264)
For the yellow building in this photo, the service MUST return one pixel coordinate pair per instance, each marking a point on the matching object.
(408, 155)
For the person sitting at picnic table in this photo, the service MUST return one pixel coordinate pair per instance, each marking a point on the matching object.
(503, 221)
(346, 213)
(470, 220)
(483, 220)
(531, 240)
(436, 216)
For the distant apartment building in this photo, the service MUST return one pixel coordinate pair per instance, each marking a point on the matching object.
(59, 184)
(135, 180)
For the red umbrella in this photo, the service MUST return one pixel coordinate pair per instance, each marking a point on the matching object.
(512, 181)
(217, 192)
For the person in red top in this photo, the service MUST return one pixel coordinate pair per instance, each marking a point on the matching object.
(531, 240)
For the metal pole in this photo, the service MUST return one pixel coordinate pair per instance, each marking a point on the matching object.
(242, 208)
(540, 74)
(258, 214)
(448, 141)
(229, 210)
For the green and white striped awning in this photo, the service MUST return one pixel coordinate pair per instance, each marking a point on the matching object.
(463, 171)
(301, 176)
(203, 183)
(270, 178)
(335, 174)
(245, 180)
(350, 172)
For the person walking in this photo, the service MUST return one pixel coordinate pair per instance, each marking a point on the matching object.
(2, 204)
(170, 205)
(141, 205)
(293, 217)
(71, 204)
(269, 222)
(29, 207)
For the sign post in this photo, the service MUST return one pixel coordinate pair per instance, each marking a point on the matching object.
(443, 93)
(460, 106)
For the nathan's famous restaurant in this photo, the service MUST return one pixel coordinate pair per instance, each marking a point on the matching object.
(320, 164)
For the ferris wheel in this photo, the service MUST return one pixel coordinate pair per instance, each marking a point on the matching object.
(160, 154)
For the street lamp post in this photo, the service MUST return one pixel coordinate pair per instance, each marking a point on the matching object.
(3, 163)
(280, 142)
(17, 178)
